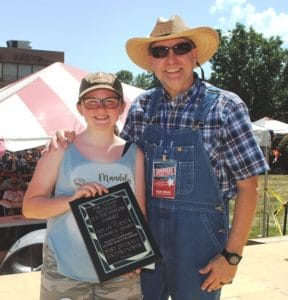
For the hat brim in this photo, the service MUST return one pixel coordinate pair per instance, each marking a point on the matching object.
(206, 40)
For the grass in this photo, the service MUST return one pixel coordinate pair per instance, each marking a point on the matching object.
(275, 197)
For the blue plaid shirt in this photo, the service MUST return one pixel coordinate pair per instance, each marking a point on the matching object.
(227, 134)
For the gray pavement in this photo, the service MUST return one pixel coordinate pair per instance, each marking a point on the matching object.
(262, 275)
(263, 272)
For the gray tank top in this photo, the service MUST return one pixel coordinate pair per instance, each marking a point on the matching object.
(63, 235)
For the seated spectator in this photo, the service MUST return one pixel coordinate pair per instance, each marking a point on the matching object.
(14, 193)
(15, 181)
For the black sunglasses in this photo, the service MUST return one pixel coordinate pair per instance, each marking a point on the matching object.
(178, 49)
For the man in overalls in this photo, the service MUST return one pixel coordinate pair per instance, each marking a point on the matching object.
(200, 153)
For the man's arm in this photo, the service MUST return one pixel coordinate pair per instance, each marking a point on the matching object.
(244, 211)
(219, 270)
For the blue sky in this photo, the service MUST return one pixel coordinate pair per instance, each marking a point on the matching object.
(93, 33)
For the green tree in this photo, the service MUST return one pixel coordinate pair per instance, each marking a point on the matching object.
(281, 99)
(142, 81)
(146, 81)
(255, 68)
(125, 76)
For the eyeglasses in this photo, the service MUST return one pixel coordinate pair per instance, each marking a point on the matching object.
(178, 49)
(109, 102)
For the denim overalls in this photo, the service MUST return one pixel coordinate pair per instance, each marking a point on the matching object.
(192, 228)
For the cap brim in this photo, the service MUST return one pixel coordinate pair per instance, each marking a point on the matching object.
(99, 86)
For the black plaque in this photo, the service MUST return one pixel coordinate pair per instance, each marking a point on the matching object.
(115, 232)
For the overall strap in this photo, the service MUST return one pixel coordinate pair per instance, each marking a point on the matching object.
(156, 95)
(211, 94)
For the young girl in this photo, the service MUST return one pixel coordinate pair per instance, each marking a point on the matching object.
(94, 162)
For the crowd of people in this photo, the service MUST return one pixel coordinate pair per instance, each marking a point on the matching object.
(21, 162)
(16, 170)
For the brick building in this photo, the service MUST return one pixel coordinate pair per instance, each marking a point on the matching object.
(18, 60)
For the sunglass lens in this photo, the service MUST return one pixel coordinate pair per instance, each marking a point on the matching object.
(159, 52)
(182, 48)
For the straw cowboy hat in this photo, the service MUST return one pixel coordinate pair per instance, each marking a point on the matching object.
(206, 40)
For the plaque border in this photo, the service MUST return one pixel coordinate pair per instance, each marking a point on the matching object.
(106, 271)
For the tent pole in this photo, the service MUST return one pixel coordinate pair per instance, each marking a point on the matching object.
(265, 200)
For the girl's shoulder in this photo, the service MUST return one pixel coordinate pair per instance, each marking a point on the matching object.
(55, 154)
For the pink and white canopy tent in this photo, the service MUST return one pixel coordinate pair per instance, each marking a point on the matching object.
(34, 108)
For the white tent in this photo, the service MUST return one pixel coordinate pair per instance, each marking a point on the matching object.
(34, 108)
(262, 135)
(277, 127)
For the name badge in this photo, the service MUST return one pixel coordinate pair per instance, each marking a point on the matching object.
(164, 179)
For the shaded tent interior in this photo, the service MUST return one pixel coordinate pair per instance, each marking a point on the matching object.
(25, 255)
